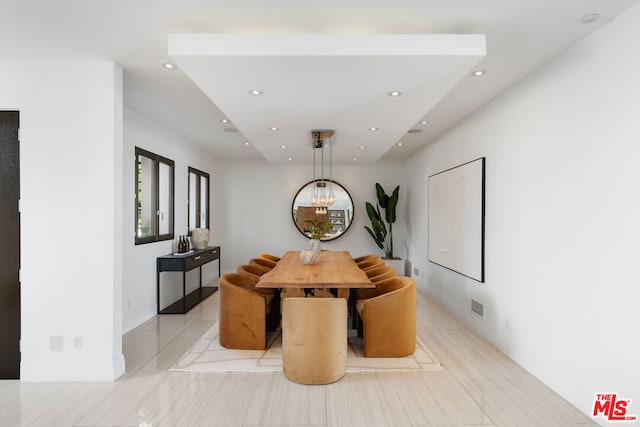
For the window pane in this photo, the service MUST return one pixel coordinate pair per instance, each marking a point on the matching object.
(145, 198)
(164, 199)
(204, 205)
(193, 209)
(154, 176)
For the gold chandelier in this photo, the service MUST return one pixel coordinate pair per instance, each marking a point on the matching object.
(322, 195)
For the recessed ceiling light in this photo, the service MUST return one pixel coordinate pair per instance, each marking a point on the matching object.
(395, 93)
(247, 143)
(373, 129)
(399, 144)
(424, 122)
(586, 19)
(168, 66)
(290, 159)
(283, 146)
(273, 128)
(355, 159)
(478, 73)
(362, 147)
(255, 92)
(224, 121)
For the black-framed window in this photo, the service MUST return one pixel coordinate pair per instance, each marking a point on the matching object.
(198, 201)
(154, 202)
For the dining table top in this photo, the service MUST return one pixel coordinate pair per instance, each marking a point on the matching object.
(335, 269)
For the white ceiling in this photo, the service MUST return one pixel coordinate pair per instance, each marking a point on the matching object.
(325, 82)
(521, 35)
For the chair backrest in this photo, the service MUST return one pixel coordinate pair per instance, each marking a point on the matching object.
(262, 262)
(270, 257)
(374, 263)
(311, 355)
(396, 300)
(386, 272)
(240, 280)
(372, 272)
(243, 313)
(393, 284)
(253, 270)
(385, 286)
(365, 258)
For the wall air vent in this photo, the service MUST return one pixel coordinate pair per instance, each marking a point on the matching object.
(477, 308)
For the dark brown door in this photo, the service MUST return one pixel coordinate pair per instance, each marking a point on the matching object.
(9, 246)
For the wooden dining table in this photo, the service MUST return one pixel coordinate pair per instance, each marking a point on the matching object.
(335, 269)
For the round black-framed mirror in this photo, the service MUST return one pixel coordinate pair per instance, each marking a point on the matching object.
(338, 216)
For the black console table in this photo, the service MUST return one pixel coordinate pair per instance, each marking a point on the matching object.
(185, 262)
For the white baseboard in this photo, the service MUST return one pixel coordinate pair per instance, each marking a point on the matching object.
(73, 371)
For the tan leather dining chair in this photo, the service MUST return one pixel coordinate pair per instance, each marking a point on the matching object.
(365, 258)
(263, 262)
(380, 273)
(245, 314)
(314, 339)
(388, 318)
(374, 263)
(270, 257)
(254, 270)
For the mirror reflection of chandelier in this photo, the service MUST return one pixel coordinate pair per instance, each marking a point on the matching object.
(322, 195)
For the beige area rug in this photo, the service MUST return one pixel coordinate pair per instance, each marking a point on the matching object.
(207, 355)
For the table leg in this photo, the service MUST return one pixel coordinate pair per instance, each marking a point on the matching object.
(353, 292)
(184, 292)
(158, 292)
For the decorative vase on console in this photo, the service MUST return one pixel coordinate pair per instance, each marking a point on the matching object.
(200, 238)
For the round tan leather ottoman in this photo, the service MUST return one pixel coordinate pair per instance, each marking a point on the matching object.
(314, 339)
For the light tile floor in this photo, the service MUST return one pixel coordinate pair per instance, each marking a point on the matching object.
(478, 387)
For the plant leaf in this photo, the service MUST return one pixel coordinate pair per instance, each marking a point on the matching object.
(372, 213)
(390, 213)
(374, 237)
(380, 230)
(383, 199)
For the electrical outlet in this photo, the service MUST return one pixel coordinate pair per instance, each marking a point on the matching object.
(77, 342)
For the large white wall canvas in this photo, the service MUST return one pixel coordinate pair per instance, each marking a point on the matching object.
(456, 219)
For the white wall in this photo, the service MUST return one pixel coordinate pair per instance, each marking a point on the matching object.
(70, 117)
(562, 218)
(139, 282)
(253, 199)
(250, 213)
